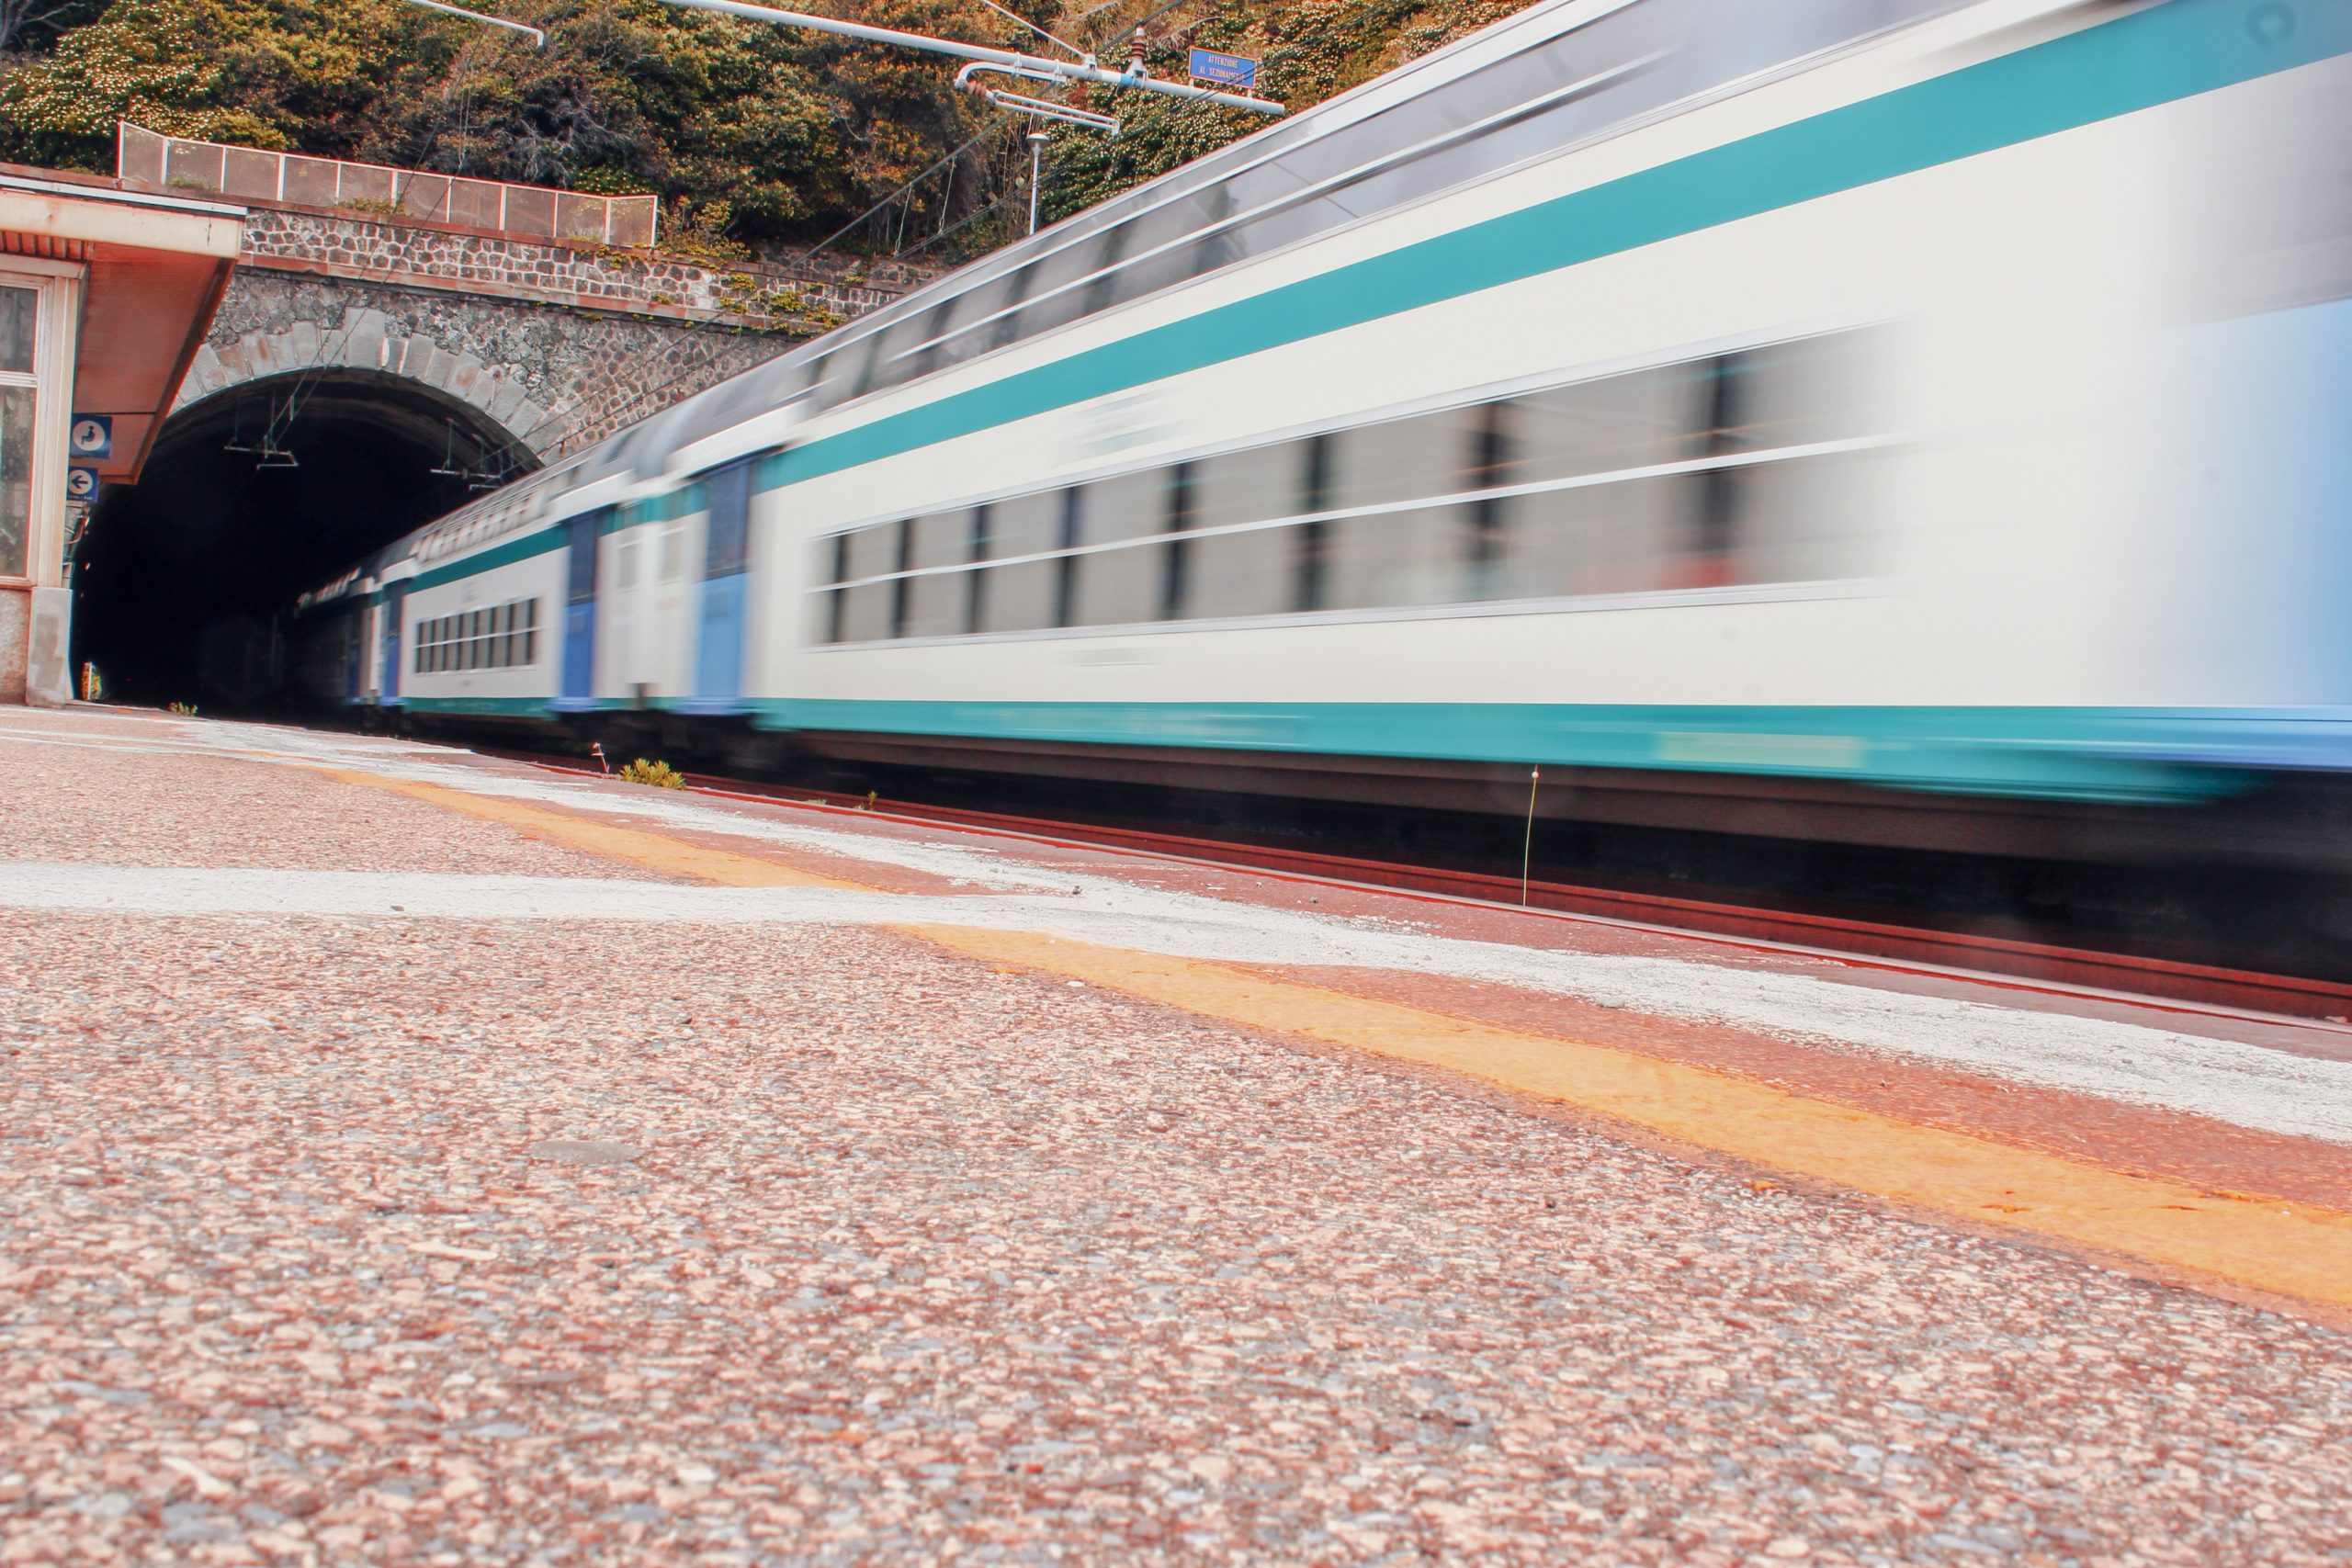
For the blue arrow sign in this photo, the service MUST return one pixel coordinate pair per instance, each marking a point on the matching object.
(1231, 70)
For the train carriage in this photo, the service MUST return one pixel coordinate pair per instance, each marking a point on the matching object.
(1885, 420)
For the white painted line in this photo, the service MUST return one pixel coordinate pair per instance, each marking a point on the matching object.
(2247, 1085)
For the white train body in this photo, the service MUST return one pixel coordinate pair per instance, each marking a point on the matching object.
(1951, 397)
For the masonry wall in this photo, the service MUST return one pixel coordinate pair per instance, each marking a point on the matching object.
(553, 378)
(555, 272)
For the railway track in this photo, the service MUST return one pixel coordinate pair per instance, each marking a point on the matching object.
(2021, 964)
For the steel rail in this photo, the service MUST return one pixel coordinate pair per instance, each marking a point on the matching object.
(2005, 962)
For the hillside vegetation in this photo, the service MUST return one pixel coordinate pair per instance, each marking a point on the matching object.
(753, 134)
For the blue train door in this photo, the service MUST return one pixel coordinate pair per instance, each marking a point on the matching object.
(577, 689)
(395, 601)
(719, 662)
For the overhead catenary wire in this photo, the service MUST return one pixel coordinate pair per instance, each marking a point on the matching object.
(993, 128)
(1042, 67)
(1034, 28)
(539, 38)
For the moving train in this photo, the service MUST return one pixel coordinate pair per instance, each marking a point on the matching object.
(1912, 423)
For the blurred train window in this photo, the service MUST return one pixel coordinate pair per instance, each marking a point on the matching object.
(1311, 541)
(976, 582)
(725, 545)
(1393, 559)
(856, 360)
(1736, 468)
(887, 362)
(1396, 558)
(1115, 587)
(1803, 522)
(1057, 290)
(498, 636)
(1632, 537)
(866, 609)
(1020, 596)
(1246, 573)
(1619, 422)
(1008, 298)
(1788, 394)
(902, 588)
(924, 356)
(935, 603)
(1403, 460)
(836, 571)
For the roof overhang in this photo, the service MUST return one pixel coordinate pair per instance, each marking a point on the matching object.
(153, 270)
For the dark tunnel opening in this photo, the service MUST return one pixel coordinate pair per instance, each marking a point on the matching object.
(251, 497)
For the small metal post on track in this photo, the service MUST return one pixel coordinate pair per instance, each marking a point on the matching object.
(1526, 846)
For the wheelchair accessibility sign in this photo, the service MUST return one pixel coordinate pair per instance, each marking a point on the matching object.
(91, 435)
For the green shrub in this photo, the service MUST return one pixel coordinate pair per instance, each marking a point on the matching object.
(661, 775)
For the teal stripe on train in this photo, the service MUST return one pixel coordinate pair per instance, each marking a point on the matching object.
(660, 508)
(487, 707)
(2172, 50)
(521, 547)
(2074, 752)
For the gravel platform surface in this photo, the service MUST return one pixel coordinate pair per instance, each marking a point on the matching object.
(351, 1240)
(140, 801)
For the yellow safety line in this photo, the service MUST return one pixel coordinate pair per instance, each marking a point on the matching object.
(2277, 1247)
(2284, 1249)
(630, 846)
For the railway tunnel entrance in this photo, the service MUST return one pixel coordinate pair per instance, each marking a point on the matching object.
(249, 497)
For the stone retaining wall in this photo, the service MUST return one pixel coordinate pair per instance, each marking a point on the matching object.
(446, 256)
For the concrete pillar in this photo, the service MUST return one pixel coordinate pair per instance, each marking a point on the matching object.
(49, 661)
(15, 641)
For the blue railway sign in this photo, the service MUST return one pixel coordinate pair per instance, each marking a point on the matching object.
(1231, 70)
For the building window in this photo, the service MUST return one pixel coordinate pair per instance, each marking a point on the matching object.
(19, 316)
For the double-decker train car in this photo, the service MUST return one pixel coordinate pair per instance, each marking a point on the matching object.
(1872, 422)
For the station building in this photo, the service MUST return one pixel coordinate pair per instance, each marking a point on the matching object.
(106, 295)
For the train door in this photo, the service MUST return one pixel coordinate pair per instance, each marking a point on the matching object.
(624, 640)
(719, 649)
(395, 606)
(670, 587)
(577, 689)
(371, 649)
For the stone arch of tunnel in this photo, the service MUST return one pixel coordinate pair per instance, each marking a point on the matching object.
(252, 495)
